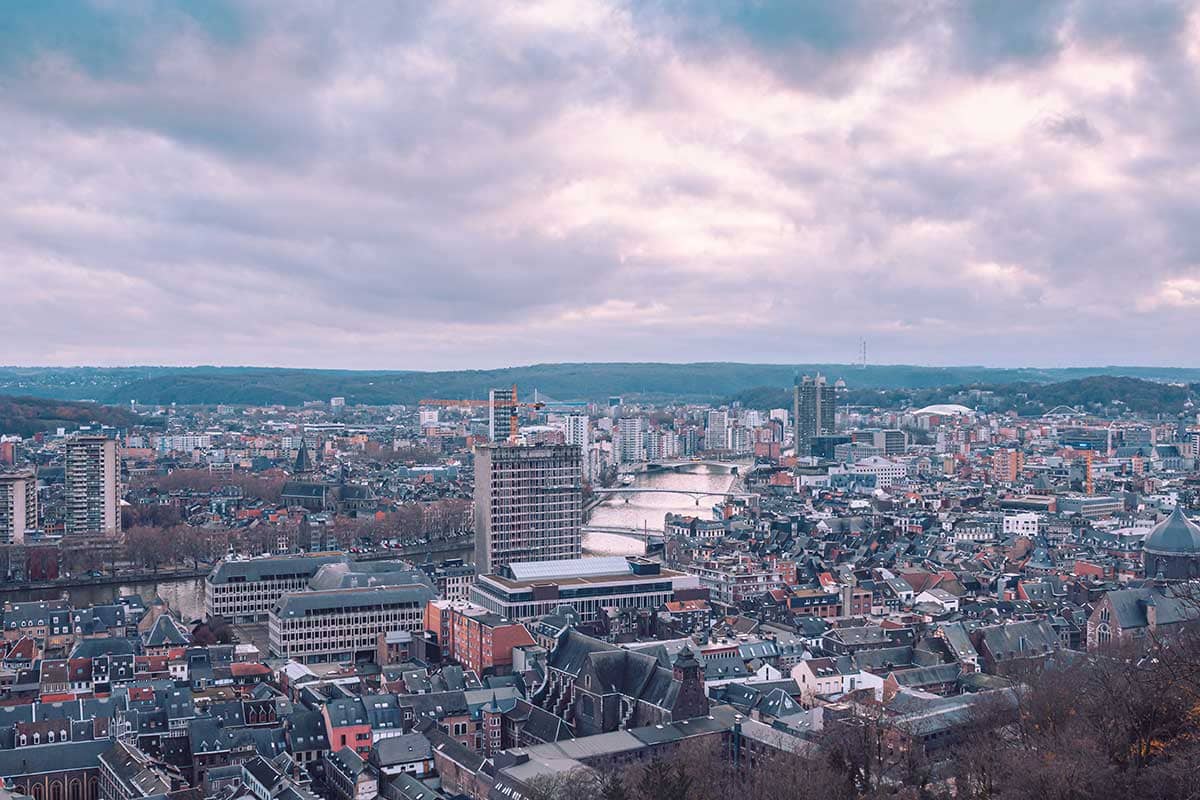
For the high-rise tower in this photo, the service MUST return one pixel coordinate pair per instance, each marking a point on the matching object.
(814, 405)
(528, 504)
(93, 483)
(502, 415)
(18, 505)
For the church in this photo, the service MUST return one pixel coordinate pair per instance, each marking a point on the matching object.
(1172, 549)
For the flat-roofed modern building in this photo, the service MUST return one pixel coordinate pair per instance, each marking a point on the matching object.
(245, 590)
(528, 504)
(345, 624)
(18, 505)
(528, 590)
(92, 474)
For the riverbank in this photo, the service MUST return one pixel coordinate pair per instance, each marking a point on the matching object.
(99, 581)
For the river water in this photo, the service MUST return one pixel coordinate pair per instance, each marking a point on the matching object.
(646, 511)
(185, 597)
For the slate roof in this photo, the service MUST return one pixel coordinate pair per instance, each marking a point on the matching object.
(401, 750)
(51, 758)
(1019, 639)
(256, 569)
(166, 632)
(296, 605)
(1129, 606)
(1176, 535)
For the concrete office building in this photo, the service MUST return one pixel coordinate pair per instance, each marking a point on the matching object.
(245, 590)
(344, 624)
(814, 405)
(93, 486)
(18, 505)
(529, 590)
(528, 504)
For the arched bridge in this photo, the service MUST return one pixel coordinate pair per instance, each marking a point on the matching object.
(680, 466)
(633, 533)
(697, 495)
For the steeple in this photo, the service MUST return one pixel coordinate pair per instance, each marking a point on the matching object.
(304, 464)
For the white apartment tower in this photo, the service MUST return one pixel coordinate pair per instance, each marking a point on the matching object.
(528, 504)
(716, 431)
(18, 505)
(629, 445)
(93, 483)
(579, 434)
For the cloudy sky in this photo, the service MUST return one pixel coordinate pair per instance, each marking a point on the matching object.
(463, 184)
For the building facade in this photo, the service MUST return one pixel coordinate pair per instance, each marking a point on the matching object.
(92, 474)
(18, 505)
(528, 504)
(246, 590)
(502, 415)
(814, 405)
(525, 591)
(344, 624)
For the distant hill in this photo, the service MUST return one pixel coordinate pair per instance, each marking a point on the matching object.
(1099, 394)
(581, 381)
(26, 416)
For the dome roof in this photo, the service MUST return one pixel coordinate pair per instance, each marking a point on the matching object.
(945, 409)
(1174, 536)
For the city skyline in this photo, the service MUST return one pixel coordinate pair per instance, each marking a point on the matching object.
(383, 187)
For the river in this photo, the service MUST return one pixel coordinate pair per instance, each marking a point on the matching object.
(185, 596)
(648, 510)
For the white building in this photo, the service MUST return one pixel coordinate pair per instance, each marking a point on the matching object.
(628, 440)
(716, 431)
(18, 505)
(1022, 523)
(886, 471)
(533, 589)
(578, 433)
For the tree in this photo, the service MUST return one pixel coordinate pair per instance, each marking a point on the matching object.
(662, 781)
(577, 784)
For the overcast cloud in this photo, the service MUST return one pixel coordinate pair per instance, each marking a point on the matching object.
(464, 184)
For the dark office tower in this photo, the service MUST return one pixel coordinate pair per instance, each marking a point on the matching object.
(528, 504)
(502, 415)
(814, 403)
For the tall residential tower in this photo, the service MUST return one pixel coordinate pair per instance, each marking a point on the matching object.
(93, 483)
(18, 505)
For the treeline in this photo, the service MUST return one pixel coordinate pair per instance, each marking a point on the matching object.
(26, 416)
(579, 381)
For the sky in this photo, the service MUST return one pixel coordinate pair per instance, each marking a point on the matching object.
(444, 185)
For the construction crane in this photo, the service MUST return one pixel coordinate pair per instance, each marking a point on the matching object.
(537, 406)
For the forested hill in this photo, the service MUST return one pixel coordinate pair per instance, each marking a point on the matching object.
(701, 381)
(26, 416)
(1108, 395)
